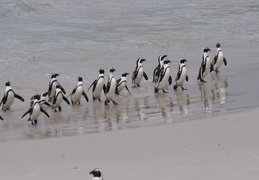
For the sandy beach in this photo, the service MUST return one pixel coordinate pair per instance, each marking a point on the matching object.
(224, 147)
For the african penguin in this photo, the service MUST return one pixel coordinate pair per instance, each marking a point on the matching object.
(97, 174)
(35, 110)
(122, 83)
(206, 65)
(181, 76)
(157, 70)
(164, 77)
(218, 59)
(110, 88)
(77, 92)
(98, 86)
(8, 97)
(42, 100)
(58, 98)
(52, 86)
(138, 73)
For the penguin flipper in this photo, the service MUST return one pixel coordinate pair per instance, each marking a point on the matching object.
(225, 61)
(134, 75)
(29, 111)
(215, 60)
(104, 88)
(128, 89)
(187, 78)
(47, 104)
(3, 101)
(1, 118)
(18, 97)
(95, 81)
(85, 95)
(170, 80)
(65, 99)
(108, 87)
(62, 89)
(145, 76)
(45, 112)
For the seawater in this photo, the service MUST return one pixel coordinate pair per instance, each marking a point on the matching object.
(76, 38)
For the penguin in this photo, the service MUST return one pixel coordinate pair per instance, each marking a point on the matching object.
(52, 86)
(110, 88)
(77, 92)
(98, 86)
(8, 97)
(35, 110)
(97, 174)
(158, 68)
(59, 96)
(42, 99)
(122, 83)
(164, 77)
(181, 76)
(138, 73)
(218, 59)
(206, 65)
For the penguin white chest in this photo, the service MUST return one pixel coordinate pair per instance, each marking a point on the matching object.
(111, 91)
(98, 89)
(207, 67)
(219, 61)
(162, 84)
(139, 75)
(59, 99)
(77, 95)
(182, 77)
(35, 112)
(10, 99)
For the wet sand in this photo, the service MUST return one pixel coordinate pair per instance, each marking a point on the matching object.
(223, 147)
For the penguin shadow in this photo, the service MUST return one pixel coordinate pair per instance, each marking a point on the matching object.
(166, 107)
(111, 119)
(183, 101)
(141, 106)
(206, 96)
(220, 87)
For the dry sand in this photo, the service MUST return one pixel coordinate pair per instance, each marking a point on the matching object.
(225, 148)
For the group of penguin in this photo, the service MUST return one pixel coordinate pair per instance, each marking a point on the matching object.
(161, 78)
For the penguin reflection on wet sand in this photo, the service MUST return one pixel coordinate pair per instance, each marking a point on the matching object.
(138, 73)
(164, 77)
(110, 88)
(181, 76)
(218, 59)
(122, 83)
(58, 98)
(8, 97)
(52, 86)
(159, 67)
(77, 92)
(98, 86)
(206, 65)
(35, 110)
(97, 174)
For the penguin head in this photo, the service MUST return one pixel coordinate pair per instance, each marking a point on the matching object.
(54, 75)
(101, 71)
(124, 74)
(7, 83)
(182, 61)
(80, 78)
(162, 57)
(36, 96)
(112, 70)
(140, 60)
(44, 94)
(206, 49)
(217, 45)
(167, 61)
(96, 172)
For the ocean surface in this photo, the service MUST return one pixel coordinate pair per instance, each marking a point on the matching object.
(77, 38)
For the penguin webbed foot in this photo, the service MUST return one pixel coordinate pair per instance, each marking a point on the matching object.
(183, 88)
(165, 91)
(115, 103)
(59, 108)
(156, 90)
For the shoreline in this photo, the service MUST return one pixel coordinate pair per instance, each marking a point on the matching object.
(222, 147)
